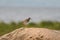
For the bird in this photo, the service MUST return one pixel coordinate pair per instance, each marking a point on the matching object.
(25, 22)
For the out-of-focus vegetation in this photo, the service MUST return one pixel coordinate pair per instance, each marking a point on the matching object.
(7, 27)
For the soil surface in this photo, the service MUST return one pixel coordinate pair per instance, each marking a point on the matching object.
(32, 34)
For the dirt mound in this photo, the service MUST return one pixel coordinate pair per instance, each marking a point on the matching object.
(32, 34)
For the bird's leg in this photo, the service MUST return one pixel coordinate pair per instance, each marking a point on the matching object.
(25, 26)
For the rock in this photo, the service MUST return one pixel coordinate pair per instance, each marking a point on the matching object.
(32, 34)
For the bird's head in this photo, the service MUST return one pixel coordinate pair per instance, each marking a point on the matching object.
(29, 18)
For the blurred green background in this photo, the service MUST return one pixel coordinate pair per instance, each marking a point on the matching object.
(8, 27)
